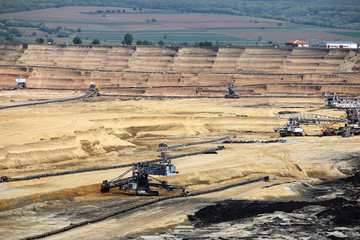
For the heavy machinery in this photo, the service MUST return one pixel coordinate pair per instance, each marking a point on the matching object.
(329, 130)
(351, 108)
(292, 128)
(20, 84)
(231, 90)
(141, 181)
(94, 89)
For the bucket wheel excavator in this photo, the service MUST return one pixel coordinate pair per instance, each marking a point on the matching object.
(351, 106)
(230, 92)
(292, 128)
(141, 182)
(94, 90)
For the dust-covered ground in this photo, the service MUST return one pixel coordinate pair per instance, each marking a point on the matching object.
(101, 131)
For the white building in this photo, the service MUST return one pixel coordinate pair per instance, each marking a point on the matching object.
(337, 45)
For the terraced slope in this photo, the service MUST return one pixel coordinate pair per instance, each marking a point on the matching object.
(261, 70)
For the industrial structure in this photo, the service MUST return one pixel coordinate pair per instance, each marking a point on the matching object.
(230, 92)
(328, 44)
(351, 108)
(351, 119)
(141, 181)
(94, 89)
(20, 84)
(292, 128)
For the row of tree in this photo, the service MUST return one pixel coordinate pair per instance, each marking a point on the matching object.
(8, 27)
(330, 13)
(128, 39)
(59, 31)
(76, 40)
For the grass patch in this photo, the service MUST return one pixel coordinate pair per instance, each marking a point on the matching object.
(99, 23)
(124, 13)
(347, 34)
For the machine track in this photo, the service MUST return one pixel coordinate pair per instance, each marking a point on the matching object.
(9, 179)
(119, 212)
(52, 101)
(173, 97)
(238, 73)
(257, 141)
(223, 140)
(136, 96)
(192, 143)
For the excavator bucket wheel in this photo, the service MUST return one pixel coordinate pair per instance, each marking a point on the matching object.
(186, 192)
(103, 188)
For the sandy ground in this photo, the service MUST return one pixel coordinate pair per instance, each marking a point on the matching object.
(103, 132)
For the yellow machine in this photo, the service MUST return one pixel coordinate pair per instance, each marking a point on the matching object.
(328, 130)
(94, 89)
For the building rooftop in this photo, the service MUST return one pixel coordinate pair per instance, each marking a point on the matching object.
(338, 42)
(296, 42)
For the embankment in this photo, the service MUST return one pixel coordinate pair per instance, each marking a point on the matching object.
(154, 70)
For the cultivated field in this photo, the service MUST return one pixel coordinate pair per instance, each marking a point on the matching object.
(174, 27)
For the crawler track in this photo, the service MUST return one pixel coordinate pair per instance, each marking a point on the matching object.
(9, 179)
(119, 212)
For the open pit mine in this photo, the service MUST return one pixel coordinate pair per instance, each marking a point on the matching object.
(149, 142)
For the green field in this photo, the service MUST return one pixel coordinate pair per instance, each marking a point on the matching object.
(174, 27)
(348, 34)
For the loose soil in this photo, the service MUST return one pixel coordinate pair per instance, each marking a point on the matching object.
(108, 131)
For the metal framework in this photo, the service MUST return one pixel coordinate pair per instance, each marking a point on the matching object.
(332, 100)
(20, 84)
(231, 90)
(310, 118)
(297, 119)
(141, 181)
(94, 90)
(352, 109)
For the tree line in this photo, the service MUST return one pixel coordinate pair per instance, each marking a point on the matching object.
(328, 13)
(8, 27)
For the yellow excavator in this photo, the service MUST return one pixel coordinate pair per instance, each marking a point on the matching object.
(328, 130)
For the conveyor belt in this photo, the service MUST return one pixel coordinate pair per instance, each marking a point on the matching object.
(90, 94)
(9, 179)
(192, 143)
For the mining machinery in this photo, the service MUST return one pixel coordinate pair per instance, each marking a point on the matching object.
(351, 108)
(230, 92)
(141, 181)
(329, 130)
(20, 84)
(292, 128)
(94, 90)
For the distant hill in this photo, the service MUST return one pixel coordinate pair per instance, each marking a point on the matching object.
(328, 13)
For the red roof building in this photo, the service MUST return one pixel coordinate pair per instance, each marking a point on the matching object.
(297, 43)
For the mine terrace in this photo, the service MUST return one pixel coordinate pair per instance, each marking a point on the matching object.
(173, 142)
